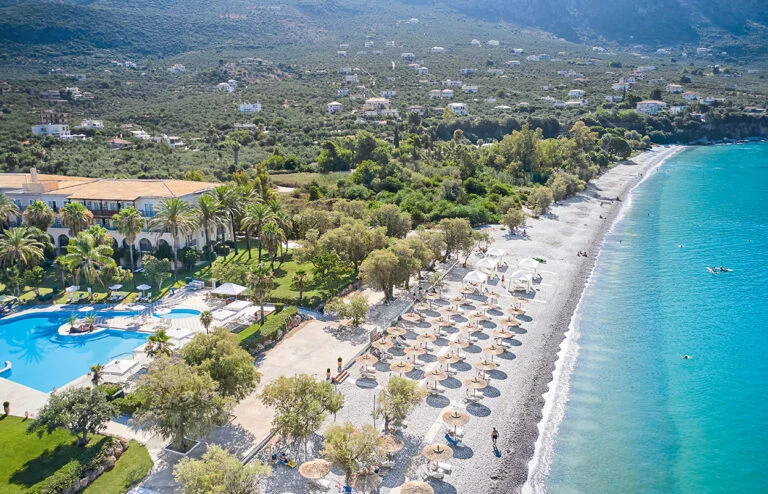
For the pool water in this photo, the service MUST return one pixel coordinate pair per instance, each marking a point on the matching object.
(42, 359)
(179, 314)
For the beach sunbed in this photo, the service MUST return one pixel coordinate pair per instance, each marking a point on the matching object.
(445, 467)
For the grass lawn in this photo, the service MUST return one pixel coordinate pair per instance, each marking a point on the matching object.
(26, 459)
(130, 469)
(301, 179)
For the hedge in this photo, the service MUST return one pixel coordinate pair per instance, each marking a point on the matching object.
(273, 323)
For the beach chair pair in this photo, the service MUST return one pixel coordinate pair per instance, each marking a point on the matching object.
(435, 390)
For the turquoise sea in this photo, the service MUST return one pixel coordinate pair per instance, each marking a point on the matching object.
(640, 417)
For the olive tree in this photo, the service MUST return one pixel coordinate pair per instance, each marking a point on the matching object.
(81, 410)
(219, 472)
(397, 400)
(353, 449)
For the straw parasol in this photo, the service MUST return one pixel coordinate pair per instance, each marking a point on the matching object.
(426, 337)
(448, 358)
(415, 351)
(422, 306)
(449, 311)
(485, 365)
(315, 469)
(416, 487)
(510, 321)
(366, 359)
(436, 375)
(503, 333)
(437, 452)
(488, 305)
(400, 367)
(459, 344)
(366, 482)
(390, 443)
(411, 317)
(478, 316)
(382, 344)
(475, 383)
(395, 331)
(493, 350)
(455, 418)
(457, 299)
(516, 311)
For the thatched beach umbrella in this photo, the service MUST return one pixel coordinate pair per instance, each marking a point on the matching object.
(457, 299)
(448, 358)
(449, 311)
(455, 418)
(395, 331)
(437, 452)
(390, 444)
(493, 350)
(485, 365)
(488, 305)
(366, 482)
(422, 306)
(400, 367)
(503, 333)
(459, 344)
(426, 338)
(510, 321)
(411, 317)
(516, 311)
(436, 375)
(315, 469)
(382, 344)
(366, 359)
(475, 383)
(416, 487)
(415, 351)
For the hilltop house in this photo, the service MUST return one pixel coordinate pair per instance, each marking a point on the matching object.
(620, 86)
(417, 109)
(56, 130)
(691, 96)
(408, 56)
(389, 93)
(513, 63)
(518, 51)
(344, 70)
(446, 93)
(177, 68)
(437, 49)
(342, 92)
(104, 197)
(468, 71)
(378, 107)
(674, 88)
(174, 142)
(249, 107)
(475, 42)
(576, 93)
(334, 107)
(459, 108)
(92, 124)
(650, 107)
(341, 53)
(435, 93)
(493, 71)
(450, 83)
(118, 143)
(350, 79)
(469, 89)
(422, 71)
(369, 44)
(493, 42)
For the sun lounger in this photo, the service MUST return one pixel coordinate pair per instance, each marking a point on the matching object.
(452, 442)
(434, 472)
(473, 398)
(435, 390)
(445, 467)
(323, 484)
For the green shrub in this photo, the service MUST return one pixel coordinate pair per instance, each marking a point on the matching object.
(66, 476)
(109, 388)
(128, 404)
(257, 333)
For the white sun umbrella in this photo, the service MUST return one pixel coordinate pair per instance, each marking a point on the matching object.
(143, 287)
(497, 252)
(116, 286)
(72, 288)
(486, 264)
(238, 305)
(87, 308)
(119, 367)
(230, 289)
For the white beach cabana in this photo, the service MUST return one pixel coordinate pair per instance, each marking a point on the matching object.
(487, 265)
(229, 290)
(529, 264)
(520, 281)
(497, 252)
(475, 278)
(119, 368)
(237, 305)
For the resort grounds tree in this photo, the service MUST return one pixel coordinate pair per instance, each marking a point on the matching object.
(97, 373)
(437, 281)
(178, 217)
(39, 215)
(396, 222)
(219, 354)
(85, 256)
(229, 271)
(379, 270)
(299, 282)
(301, 404)
(219, 472)
(159, 345)
(407, 262)
(539, 200)
(327, 271)
(353, 449)
(514, 218)
(211, 215)
(33, 277)
(179, 402)
(272, 236)
(457, 234)
(76, 217)
(8, 208)
(355, 309)
(130, 223)
(229, 201)
(206, 318)
(112, 274)
(255, 217)
(434, 241)
(260, 281)
(398, 398)
(20, 247)
(81, 410)
(156, 270)
(353, 241)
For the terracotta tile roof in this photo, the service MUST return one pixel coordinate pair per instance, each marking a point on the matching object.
(17, 180)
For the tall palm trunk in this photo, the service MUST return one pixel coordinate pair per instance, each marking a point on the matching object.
(234, 234)
(248, 243)
(208, 242)
(130, 249)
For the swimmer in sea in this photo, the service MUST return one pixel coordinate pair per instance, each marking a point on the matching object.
(686, 357)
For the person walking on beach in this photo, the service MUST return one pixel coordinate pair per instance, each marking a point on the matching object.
(494, 437)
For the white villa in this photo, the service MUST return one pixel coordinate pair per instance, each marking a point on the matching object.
(475, 42)
(408, 56)
(375, 107)
(350, 78)
(249, 107)
(620, 86)
(691, 96)
(446, 93)
(650, 107)
(450, 83)
(422, 70)
(469, 89)
(437, 49)
(674, 88)
(459, 108)
(417, 109)
(334, 107)
(92, 124)
(435, 93)
(57, 130)
(388, 93)
(493, 42)
(576, 93)
(104, 197)
(468, 71)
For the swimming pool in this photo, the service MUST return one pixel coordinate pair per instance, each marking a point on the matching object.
(179, 314)
(42, 359)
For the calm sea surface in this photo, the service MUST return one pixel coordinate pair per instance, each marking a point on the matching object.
(640, 418)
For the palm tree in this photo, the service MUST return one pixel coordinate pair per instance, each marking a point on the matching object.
(76, 217)
(8, 208)
(206, 318)
(159, 344)
(228, 198)
(211, 214)
(255, 216)
(39, 215)
(130, 223)
(21, 246)
(285, 222)
(98, 372)
(300, 281)
(85, 255)
(273, 238)
(179, 217)
(260, 284)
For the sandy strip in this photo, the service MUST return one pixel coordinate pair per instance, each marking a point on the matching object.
(572, 226)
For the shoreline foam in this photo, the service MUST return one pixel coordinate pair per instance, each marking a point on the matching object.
(537, 426)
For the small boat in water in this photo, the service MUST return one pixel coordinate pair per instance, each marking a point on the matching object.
(712, 270)
(724, 270)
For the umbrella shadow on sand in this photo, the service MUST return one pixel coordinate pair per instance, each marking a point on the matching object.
(438, 401)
